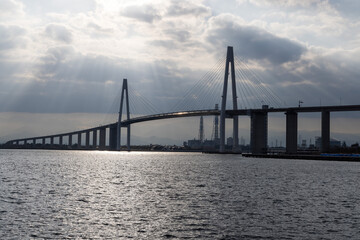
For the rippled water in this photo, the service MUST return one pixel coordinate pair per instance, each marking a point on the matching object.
(88, 194)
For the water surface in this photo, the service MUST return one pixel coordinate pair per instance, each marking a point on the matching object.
(91, 194)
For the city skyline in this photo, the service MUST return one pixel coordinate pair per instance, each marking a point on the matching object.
(62, 64)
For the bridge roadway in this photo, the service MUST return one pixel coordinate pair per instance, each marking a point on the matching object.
(258, 126)
(114, 125)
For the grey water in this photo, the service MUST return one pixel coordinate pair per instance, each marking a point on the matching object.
(145, 195)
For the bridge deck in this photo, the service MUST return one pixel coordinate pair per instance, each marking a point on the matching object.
(207, 112)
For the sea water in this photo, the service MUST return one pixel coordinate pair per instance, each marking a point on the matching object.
(148, 195)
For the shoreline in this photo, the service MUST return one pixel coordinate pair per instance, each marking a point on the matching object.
(305, 157)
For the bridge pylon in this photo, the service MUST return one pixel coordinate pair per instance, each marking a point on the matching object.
(229, 61)
(124, 94)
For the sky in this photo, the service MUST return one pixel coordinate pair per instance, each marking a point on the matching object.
(62, 62)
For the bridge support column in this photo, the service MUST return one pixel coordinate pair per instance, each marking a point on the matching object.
(235, 134)
(124, 94)
(325, 131)
(102, 138)
(95, 138)
(34, 141)
(113, 138)
(60, 140)
(70, 140)
(43, 141)
(291, 132)
(87, 139)
(259, 132)
(51, 141)
(79, 140)
(229, 60)
(128, 138)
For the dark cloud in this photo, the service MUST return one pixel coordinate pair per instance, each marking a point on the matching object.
(252, 42)
(348, 8)
(181, 8)
(318, 80)
(59, 33)
(68, 81)
(144, 13)
(11, 37)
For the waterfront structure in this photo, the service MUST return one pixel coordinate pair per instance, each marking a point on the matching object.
(111, 133)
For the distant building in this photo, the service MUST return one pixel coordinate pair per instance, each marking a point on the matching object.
(242, 141)
(229, 141)
(303, 144)
(194, 144)
(333, 142)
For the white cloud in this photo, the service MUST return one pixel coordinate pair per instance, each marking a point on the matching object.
(283, 3)
(9, 8)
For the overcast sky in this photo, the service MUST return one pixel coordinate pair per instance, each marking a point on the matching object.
(70, 57)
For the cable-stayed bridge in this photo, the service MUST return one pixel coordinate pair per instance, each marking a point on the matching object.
(254, 97)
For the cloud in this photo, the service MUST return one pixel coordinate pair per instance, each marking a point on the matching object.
(252, 42)
(283, 3)
(318, 78)
(179, 35)
(144, 13)
(65, 80)
(10, 8)
(99, 30)
(11, 37)
(59, 33)
(182, 8)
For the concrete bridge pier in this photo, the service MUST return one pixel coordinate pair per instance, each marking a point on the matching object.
(113, 138)
(70, 140)
(87, 139)
(60, 140)
(79, 140)
(102, 138)
(52, 141)
(291, 132)
(259, 132)
(325, 131)
(235, 134)
(95, 138)
(128, 138)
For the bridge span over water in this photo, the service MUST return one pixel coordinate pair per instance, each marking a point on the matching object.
(108, 133)
(108, 136)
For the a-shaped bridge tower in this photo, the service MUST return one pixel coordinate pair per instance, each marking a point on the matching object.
(229, 61)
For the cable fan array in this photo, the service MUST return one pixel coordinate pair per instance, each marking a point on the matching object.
(252, 92)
